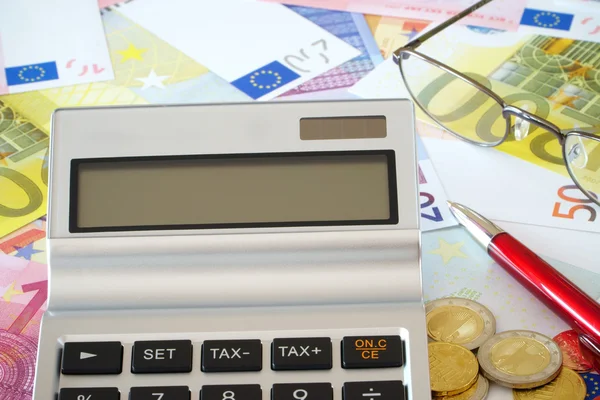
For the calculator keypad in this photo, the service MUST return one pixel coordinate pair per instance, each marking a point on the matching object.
(239, 361)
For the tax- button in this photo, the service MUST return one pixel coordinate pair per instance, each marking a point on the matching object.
(372, 352)
(162, 356)
(80, 358)
(231, 355)
(301, 353)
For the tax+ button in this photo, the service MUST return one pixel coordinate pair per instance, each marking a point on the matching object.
(301, 353)
(372, 352)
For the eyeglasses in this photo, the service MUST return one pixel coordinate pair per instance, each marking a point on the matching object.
(580, 147)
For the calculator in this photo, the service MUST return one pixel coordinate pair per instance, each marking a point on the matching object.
(239, 251)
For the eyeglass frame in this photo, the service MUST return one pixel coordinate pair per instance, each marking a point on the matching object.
(507, 109)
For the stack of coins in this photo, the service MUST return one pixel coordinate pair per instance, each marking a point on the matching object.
(466, 355)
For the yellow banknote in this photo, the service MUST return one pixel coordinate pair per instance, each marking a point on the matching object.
(23, 170)
(391, 33)
(558, 79)
(147, 70)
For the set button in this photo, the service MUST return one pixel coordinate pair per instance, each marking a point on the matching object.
(162, 356)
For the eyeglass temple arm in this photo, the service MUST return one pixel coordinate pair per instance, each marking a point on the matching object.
(418, 41)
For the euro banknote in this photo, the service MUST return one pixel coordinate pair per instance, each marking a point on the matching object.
(23, 170)
(23, 299)
(500, 14)
(391, 33)
(147, 70)
(351, 28)
(555, 78)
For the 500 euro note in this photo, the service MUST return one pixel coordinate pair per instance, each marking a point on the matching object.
(555, 78)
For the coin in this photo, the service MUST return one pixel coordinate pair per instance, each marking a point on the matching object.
(459, 321)
(568, 385)
(520, 359)
(452, 368)
(568, 341)
(478, 391)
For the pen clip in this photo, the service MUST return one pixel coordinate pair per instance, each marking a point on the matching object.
(590, 350)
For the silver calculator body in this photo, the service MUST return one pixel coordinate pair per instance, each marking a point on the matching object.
(292, 297)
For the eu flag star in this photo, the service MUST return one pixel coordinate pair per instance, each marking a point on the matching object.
(592, 382)
(265, 79)
(26, 252)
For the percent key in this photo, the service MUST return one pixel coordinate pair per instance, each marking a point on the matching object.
(89, 394)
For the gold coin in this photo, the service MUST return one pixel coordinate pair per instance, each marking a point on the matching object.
(478, 391)
(459, 321)
(520, 359)
(452, 368)
(568, 385)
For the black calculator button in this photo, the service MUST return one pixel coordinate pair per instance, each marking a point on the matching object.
(301, 353)
(231, 355)
(302, 391)
(160, 393)
(372, 352)
(104, 393)
(162, 356)
(377, 390)
(92, 358)
(231, 392)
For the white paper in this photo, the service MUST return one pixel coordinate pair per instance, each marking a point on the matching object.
(435, 213)
(46, 44)
(385, 81)
(261, 48)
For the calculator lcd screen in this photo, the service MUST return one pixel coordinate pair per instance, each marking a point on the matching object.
(296, 189)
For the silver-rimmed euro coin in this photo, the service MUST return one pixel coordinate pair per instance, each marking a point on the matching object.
(520, 359)
(478, 391)
(459, 321)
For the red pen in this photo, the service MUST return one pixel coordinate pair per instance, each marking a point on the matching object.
(576, 308)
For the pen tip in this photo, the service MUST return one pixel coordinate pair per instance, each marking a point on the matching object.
(450, 203)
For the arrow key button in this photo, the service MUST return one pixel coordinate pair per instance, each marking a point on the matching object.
(80, 358)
